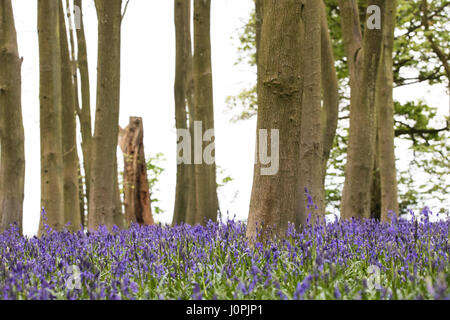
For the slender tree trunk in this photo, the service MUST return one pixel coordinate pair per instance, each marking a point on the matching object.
(69, 133)
(330, 91)
(205, 174)
(52, 182)
(311, 145)
(182, 28)
(385, 109)
(364, 57)
(104, 141)
(274, 198)
(84, 114)
(192, 199)
(12, 163)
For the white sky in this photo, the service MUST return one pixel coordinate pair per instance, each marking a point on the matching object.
(148, 68)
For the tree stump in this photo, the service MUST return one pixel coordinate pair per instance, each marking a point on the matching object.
(135, 181)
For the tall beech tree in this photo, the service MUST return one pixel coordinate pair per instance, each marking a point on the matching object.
(311, 144)
(183, 53)
(363, 56)
(207, 203)
(189, 91)
(52, 182)
(84, 112)
(103, 163)
(385, 117)
(12, 163)
(330, 92)
(274, 198)
(69, 133)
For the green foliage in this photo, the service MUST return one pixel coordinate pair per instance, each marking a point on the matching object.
(413, 51)
(246, 102)
(223, 177)
(154, 171)
(430, 150)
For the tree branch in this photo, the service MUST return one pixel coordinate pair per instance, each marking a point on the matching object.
(125, 9)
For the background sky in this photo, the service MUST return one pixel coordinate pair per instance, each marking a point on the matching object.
(147, 77)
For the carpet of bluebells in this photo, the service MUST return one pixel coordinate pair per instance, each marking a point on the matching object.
(404, 259)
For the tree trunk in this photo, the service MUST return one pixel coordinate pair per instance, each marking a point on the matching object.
(375, 191)
(205, 174)
(274, 198)
(259, 17)
(82, 197)
(364, 57)
(135, 181)
(84, 114)
(12, 163)
(311, 147)
(182, 28)
(69, 134)
(330, 91)
(192, 199)
(104, 141)
(52, 182)
(385, 109)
